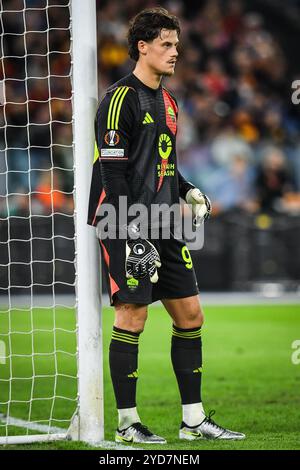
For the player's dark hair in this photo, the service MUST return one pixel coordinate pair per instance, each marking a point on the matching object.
(147, 26)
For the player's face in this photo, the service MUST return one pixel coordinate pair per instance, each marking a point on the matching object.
(161, 54)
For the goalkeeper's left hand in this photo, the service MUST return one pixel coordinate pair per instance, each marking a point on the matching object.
(142, 259)
(201, 205)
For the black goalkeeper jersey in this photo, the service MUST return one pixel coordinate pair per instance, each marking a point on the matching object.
(135, 151)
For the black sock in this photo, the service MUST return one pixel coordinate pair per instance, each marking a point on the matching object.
(123, 362)
(186, 354)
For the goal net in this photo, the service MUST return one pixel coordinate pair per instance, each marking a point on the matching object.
(47, 391)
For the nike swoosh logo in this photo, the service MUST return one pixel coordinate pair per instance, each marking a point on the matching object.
(196, 434)
(125, 440)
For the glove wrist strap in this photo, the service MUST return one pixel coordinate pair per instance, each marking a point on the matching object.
(133, 231)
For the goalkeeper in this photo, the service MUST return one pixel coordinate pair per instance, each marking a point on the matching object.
(136, 126)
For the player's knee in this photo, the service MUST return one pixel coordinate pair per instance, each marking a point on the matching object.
(136, 325)
(130, 317)
(196, 317)
(193, 318)
(201, 318)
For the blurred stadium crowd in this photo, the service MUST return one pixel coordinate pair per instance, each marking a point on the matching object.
(239, 132)
(36, 161)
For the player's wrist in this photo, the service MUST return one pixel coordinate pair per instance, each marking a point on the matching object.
(133, 231)
(188, 197)
(195, 196)
(185, 188)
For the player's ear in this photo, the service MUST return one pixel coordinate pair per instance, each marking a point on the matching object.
(142, 47)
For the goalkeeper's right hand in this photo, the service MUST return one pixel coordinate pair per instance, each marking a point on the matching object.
(142, 259)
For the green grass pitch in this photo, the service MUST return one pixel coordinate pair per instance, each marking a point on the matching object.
(248, 375)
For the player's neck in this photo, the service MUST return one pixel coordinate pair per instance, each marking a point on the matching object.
(148, 77)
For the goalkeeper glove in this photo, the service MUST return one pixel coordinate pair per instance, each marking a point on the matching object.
(142, 259)
(201, 205)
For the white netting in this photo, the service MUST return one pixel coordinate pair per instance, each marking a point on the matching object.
(38, 372)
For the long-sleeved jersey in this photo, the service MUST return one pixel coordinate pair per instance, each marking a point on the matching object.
(135, 152)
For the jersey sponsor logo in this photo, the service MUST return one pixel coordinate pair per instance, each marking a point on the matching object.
(164, 146)
(148, 119)
(165, 169)
(111, 138)
(112, 152)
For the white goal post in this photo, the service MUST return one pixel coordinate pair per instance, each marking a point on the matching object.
(88, 269)
(51, 372)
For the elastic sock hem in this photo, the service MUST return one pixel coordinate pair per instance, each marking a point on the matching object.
(186, 330)
(127, 332)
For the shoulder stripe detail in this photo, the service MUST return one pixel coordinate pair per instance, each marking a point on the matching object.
(115, 107)
(111, 104)
(119, 108)
(115, 104)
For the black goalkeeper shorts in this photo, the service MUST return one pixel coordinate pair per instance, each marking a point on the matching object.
(176, 275)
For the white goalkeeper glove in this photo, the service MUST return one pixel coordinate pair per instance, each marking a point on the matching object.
(201, 205)
(142, 259)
